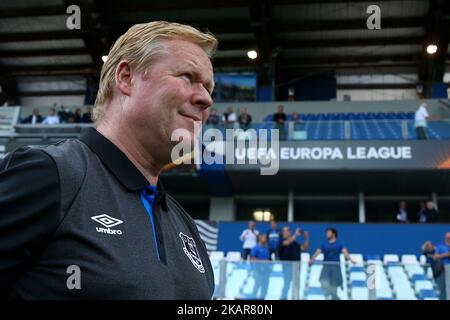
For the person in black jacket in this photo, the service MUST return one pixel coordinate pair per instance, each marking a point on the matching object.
(430, 213)
(33, 118)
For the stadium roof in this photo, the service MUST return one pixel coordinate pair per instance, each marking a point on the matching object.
(298, 38)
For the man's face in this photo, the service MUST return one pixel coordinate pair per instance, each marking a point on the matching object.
(447, 238)
(402, 204)
(280, 109)
(285, 232)
(262, 239)
(174, 94)
(273, 224)
(429, 205)
(252, 225)
(329, 234)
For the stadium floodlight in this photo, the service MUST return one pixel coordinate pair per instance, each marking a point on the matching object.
(104, 58)
(262, 215)
(432, 49)
(252, 54)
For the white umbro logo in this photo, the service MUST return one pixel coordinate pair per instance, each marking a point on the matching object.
(108, 222)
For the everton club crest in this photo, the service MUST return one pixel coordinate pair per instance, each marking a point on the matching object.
(191, 251)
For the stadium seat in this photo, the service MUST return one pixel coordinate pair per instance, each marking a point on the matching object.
(314, 275)
(373, 257)
(390, 258)
(385, 293)
(358, 283)
(314, 293)
(357, 276)
(428, 294)
(356, 269)
(358, 258)
(233, 256)
(422, 285)
(216, 255)
(360, 293)
(305, 256)
(423, 259)
(416, 276)
(409, 259)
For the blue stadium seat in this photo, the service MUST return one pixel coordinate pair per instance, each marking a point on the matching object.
(417, 277)
(358, 283)
(373, 257)
(356, 269)
(423, 294)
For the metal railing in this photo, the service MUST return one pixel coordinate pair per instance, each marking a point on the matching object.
(295, 280)
(354, 129)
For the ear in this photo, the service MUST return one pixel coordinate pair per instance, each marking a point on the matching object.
(123, 78)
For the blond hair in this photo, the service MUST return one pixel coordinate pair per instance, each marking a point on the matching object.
(141, 46)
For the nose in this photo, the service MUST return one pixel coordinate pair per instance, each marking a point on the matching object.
(202, 98)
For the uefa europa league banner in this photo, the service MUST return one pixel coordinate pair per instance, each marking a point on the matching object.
(346, 155)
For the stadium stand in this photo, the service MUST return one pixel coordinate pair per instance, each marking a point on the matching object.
(401, 281)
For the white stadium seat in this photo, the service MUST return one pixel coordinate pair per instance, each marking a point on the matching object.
(412, 269)
(408, 259)
(358, 258)
(216, 255)
(357, 276)
(360, 293)
(390, 258)
(423, 285)
(233, 256)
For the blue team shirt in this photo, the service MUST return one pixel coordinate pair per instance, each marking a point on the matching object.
(260, 252)
(274, 239)
(443, 248)
(331, 251)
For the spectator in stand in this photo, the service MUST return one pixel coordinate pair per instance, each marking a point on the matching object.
(52, 118)
(34, 118)
(249, 237)
(262, 268)
(298, 122)
(229, 118)
(87, 116)
(331, 275)
(402, 214)
(430, 213)
(429, 250)
(273, 234)
(77, 115)
(63, 115)
(289, 251)
(213, 119)
(280, 119)
(245, 120)
(421, 118)
(421, 213)
(442, 257)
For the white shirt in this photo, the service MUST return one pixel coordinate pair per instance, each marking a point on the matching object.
(421, 116)
(231, 117)
(250, 238)
(33, 119)
(51, 120)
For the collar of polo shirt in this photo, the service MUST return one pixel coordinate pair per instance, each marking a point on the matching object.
(117, 162)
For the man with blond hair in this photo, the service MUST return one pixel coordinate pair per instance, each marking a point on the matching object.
(89, 218)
